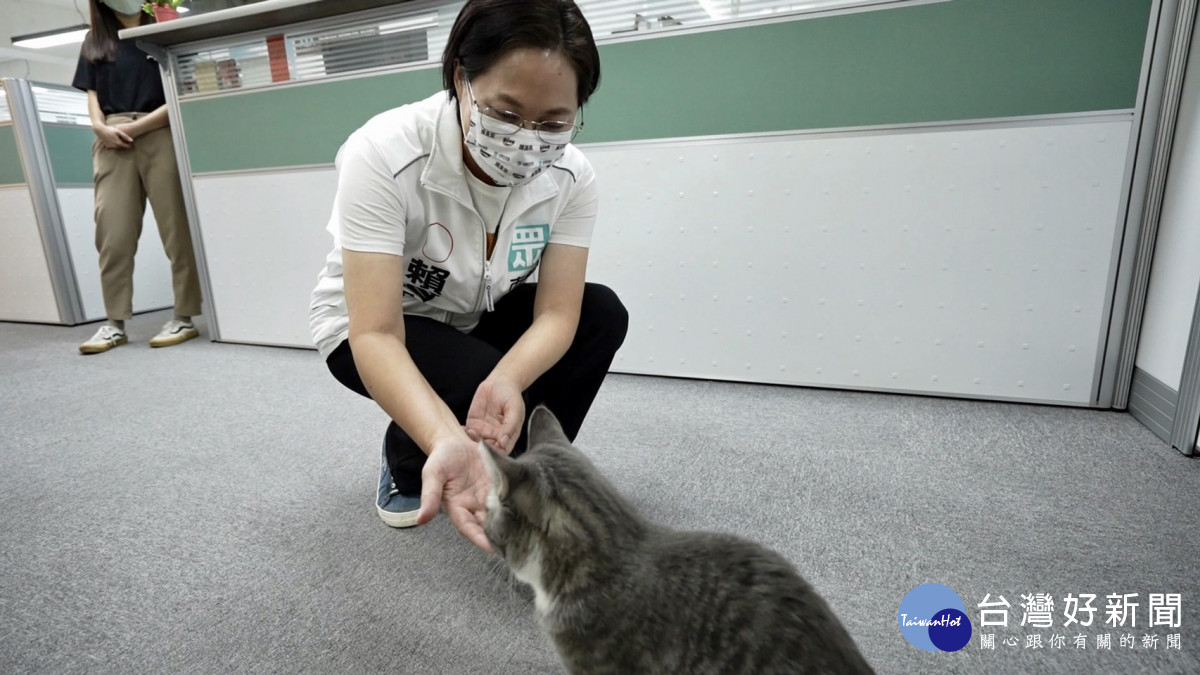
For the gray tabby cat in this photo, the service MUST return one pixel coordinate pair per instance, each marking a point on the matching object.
(621, 595)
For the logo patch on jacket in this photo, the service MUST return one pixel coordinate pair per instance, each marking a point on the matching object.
(424, 281)
(527, 245)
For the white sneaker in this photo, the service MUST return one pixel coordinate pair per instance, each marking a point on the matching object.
(106, 338)
(174, 332)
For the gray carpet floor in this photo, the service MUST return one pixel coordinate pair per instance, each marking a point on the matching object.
(207, 508)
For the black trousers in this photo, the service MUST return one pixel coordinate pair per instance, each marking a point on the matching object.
(455, 363)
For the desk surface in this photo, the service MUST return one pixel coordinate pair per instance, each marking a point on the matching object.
(250, 17)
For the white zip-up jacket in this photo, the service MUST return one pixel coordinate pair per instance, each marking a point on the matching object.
(402, 189)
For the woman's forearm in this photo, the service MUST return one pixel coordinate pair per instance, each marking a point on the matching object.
(395, 383)
(94, 111)
(144, 125)
(542, 345)
(555, 317)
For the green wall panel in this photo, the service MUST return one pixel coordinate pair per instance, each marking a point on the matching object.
(293, 126)
(966, 59)
(70, 149)
(956, 60)
(11, 171)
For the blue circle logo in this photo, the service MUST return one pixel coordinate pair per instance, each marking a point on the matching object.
(932, 617)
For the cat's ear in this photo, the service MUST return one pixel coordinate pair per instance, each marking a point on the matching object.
(503, 471)
(544, 427)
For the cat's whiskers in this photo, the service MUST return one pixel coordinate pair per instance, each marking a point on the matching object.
(501, 575)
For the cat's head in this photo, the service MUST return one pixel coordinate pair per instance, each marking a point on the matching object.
(551, 503)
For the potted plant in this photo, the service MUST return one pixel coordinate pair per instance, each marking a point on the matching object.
(163, 10)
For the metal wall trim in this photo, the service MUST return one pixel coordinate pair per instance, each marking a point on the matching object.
(923, 393)
(1133, 195)
(1143, 254)
(1152, 403)
(1096, 117)
(39, 176)
(299, 168)
(1187, 408)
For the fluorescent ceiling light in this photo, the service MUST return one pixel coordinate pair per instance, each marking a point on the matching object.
(51, 38)
(426, 21)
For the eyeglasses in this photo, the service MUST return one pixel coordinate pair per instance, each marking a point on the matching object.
(503, 122)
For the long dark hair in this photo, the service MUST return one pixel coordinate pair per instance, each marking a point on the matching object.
(100, 44)
(485, 30)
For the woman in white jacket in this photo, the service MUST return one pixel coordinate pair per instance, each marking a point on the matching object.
(444, 208)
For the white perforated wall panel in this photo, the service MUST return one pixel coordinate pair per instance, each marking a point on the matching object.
(265, 239)
(152, 287)
(967, 262)
(26, 292)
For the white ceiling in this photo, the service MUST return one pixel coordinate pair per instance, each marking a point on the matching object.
(56, 65)
(21, 17)
(81, 4)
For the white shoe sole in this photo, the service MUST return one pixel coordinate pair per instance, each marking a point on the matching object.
(101, 347)
(403, 519)
(174, 339)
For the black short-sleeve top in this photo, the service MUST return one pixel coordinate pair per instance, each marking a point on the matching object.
(129, 83)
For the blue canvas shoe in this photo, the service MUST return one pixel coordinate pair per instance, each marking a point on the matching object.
(395, 509)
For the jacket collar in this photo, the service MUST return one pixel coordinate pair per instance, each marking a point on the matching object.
(446, 171)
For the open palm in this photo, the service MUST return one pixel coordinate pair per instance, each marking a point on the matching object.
(496, 414)
(454, 478)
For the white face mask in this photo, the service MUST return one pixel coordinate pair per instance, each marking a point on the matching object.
(126, 7)
(515, 158)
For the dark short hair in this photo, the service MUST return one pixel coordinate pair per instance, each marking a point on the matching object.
(486, 30)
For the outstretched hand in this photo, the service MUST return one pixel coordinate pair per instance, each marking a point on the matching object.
(496, 414)
(454, 478)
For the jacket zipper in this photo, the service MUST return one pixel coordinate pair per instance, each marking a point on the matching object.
(487, 259)
(483, 299)
(485, 286)
(487, 281)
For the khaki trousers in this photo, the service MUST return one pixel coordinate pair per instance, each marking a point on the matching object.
(124, 180)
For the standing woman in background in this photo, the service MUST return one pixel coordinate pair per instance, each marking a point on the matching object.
(133, 158)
